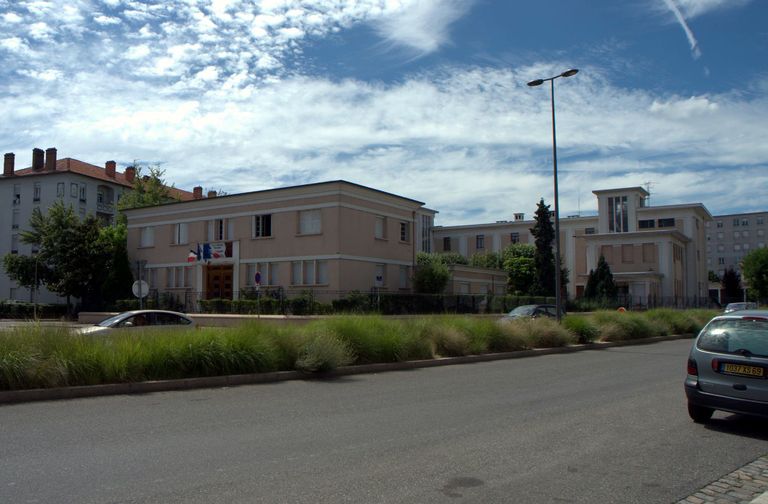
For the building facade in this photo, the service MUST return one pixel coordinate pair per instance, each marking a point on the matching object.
(730, 237)
(331, 238)
(656, 254)
(87, 188)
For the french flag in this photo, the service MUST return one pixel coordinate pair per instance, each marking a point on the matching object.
(194, 256)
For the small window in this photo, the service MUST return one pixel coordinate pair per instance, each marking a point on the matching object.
(589, 231)
(60, 190)
(403, 277)
(760, 221)
(82, 193)
(380, 228)
(736, 222)
(14, 244)
(447, 244)
(719, 224)
(745, 222)
(721, 260)
(514, 237)
(15, 221)
(17, 194)
(647, 224)
(147, 237)
(262, 226)
(405, 232)
(180, 233)
(36, 192)
(310, 222)
(380, 275)
(663, 223)
(480, 242)
(73, 190)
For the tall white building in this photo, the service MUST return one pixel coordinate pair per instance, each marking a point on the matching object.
(88, 188)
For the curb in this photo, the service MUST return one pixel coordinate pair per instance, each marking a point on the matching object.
(82, 391)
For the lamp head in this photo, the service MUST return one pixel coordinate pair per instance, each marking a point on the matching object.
(569, 73)
(537, 82)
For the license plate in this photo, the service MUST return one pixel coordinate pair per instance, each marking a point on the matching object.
(742, 370)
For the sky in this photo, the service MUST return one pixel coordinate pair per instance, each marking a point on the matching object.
(426, 99)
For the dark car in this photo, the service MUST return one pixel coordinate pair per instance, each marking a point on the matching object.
(533, 311)
(728, 366)
(138, 320)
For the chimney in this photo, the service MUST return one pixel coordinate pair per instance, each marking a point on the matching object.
(519, 216)
(109, 168)
(211, 194)
(197, 192)
(130, 174)
(38, 159)
(8, 167)
(50, 159)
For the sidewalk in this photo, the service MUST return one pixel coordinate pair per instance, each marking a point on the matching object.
(748, 485)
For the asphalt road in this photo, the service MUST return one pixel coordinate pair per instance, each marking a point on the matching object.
(601, 426)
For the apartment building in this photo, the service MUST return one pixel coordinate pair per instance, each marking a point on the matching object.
(88, 188)
(655, 252)
(730, 237)
(330, 237)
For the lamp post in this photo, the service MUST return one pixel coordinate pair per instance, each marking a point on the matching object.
(539, 82)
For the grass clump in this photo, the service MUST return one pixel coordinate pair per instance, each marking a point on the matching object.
(322, 352)
(583, 328)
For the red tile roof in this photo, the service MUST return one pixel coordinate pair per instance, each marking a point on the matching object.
(95, 172)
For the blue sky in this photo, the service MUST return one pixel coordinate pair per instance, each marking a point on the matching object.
(423, 98)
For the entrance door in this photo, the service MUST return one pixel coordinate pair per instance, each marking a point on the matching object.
(218, 281)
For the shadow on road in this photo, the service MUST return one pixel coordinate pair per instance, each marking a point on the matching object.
(740, 425)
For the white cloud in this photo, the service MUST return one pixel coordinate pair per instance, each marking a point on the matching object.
(45, 75)
(107, 20)
(12, 17)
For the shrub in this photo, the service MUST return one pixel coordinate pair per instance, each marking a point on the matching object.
(582, 328)
(629, 326)
(544, 333)
(323, 352)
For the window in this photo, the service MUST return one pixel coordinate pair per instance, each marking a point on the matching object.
(719, 224)
(14, 244)
(380, 275)
(480, 242)
(73, 190)
(737, 248)
(17, 194)
(403, 284)
(310, 222)
(147, 237)
(36, 192)
(379, 231)
(262, 226)
(180, 233)
(60, 190)
(721, 260)
(649, 252)
(220, 229)
(745, 222)
(736, 222)
(719, 236)
(447, 244)
(82, 193)
(745, 234)
(760, 221)
(100, 196)
(311, 272)
(666, 222)
(405, 232)
(177, 277)
(618, 216)
(426, 233)
(647, 224)
(514, 237)
(627, 254)
(267, 273)
(721, 248)
(760, 232)
(589, 230)
(736, 234)
(15, 219)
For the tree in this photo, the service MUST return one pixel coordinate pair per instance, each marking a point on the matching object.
(544, 258)
(600, 283)
(25, 271)
(148, 190)
(713, 277)
(112, 244)
(731, 283)
(431, 275)
(755, 268)
(518, 261)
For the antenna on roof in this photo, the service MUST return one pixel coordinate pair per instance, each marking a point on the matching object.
(648, 186)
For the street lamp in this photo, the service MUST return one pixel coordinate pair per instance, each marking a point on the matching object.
(539, 82)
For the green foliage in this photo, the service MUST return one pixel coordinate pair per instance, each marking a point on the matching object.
(25, 270)
(148, 190)
(755, 268)
(600, 285)
(486, 260)
(518, 259)
(544, 259)
(38, 356)
(713, 277)
(582, 327)
(432, 273)
(446, 258)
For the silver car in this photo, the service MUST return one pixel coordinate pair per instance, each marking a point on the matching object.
(139, 319)
(728, 366)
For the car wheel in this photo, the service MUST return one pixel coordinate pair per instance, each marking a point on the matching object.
(699, 414)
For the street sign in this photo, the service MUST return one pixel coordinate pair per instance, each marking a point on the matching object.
(140, 288)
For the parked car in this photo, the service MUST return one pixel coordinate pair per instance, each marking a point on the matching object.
(533, 311)
(731, 307)
(138, 320)
(728, 366)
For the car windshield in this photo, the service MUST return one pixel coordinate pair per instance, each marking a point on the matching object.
(523, 310)
(747, 337)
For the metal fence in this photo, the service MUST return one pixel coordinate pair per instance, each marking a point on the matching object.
(318, 301)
